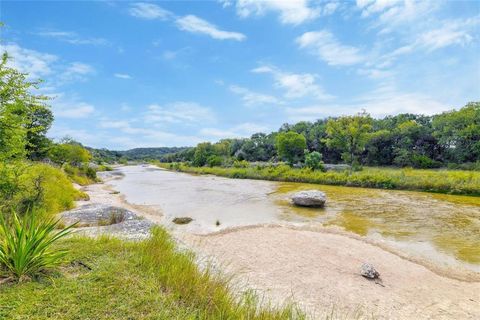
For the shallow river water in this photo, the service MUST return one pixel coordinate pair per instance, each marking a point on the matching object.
(442, 228)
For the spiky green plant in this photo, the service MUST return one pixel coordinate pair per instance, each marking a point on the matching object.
(26, 245)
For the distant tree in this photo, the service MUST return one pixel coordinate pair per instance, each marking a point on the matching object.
(349, 134)
(313, 160)
(459, 133)
(290, 146)
(70, 152)
(202, 152)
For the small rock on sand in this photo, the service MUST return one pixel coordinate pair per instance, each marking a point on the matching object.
(182, 220)
(368, 271)
(309, 198)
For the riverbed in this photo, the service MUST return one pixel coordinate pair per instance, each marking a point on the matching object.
(442, 229)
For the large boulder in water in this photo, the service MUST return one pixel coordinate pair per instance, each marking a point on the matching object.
(309, 198)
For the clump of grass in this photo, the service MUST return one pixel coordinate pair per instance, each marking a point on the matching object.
(134, 280)
(441, 181)
(26, 245)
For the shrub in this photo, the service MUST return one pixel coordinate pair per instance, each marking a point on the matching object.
(25, 186)
(25, 245)
(214, 161)
(423, 162)
(240, 164)
(313, 160)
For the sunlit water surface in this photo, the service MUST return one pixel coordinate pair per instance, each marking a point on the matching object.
(442, 228)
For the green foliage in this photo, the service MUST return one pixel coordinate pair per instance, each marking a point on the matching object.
(349, 134)
(69, 152)
(442, 181)
(240, 164)
(149, 279)
(33, 186)
(24, 117)
(313, 160)
(26, 245)
(290, 146)
(202, 152)
(214, 161)
(459, 133)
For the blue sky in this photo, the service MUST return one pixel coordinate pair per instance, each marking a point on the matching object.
(136, 74)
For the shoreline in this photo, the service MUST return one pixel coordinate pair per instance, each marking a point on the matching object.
(248, 251)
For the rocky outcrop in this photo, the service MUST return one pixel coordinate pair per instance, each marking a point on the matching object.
(97, 215)
(309, 198)
(98, 219)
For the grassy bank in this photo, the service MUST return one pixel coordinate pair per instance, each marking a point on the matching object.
(127, 280)
(442, 181)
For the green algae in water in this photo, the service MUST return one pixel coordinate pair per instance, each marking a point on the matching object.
(451, 223)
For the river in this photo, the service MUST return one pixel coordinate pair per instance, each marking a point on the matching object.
(444, 229)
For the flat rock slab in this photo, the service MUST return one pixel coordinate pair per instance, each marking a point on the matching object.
(97, 215)
(309, 198)
(99, 219)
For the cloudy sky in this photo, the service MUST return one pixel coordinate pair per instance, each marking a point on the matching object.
(129, 74)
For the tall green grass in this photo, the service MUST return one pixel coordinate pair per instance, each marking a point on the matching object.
(111, 279)
(442, 181)
(35, 186)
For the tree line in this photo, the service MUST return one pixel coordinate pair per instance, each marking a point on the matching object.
(450, 139)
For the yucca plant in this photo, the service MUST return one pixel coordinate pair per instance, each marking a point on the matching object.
(26, 245)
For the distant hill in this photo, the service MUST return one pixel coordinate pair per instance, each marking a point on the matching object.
(142, 154)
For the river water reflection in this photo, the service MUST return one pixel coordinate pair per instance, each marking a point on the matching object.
(443, 228)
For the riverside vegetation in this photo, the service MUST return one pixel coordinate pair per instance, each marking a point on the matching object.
(442, 181)
(45, 275)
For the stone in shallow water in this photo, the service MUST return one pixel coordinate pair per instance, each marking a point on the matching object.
(182, 220)
(309, 198)
(368, 271)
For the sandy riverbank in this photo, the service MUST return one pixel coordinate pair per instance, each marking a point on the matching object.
(320, 270)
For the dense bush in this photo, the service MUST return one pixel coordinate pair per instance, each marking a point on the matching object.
(214, 161)
(313, 160)
(34, 186)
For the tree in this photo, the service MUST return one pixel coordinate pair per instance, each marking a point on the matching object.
(290, 146)
(202, 152)
(70, 152)
(24, 117)
(350, 134)
(459, 133)
(313, 160)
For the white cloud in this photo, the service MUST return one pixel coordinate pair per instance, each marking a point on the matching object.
(453, 32)
(179, 112)
(35, 63)
(291, 11)
(391, 15)
(70, 107)
(296, 85)
(76, 71)
(72, 38)
(149, 11)
(194, 24)
(122, 76)
(251, 98)
(324, 45)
